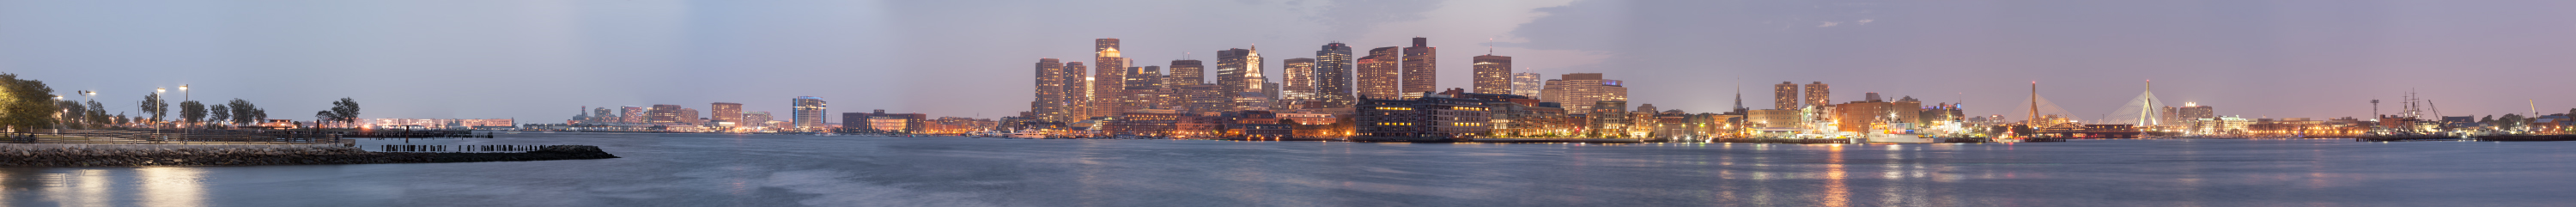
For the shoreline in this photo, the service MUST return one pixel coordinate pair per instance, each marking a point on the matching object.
(17, 155)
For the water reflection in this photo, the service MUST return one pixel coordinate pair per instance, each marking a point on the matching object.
(171, 186)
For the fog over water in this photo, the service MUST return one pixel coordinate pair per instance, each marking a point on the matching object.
(780, 170)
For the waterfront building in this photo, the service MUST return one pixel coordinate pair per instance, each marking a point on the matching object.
(1299, 85)
(689, 116)
(1421, 69)
(1609, 118)
(959, 125)
(1430, 118)
(1860, 116)
(1378, 76)
(1582, 90)
(1493, 74)
(1515, 115)
(726, 112)
(1818, 94)
(1149, 122)
(1144, 89)
(881, 122)
(1257, 125)
(1774, 118)
(1527, 84)
(806, 113)
(1333, 76)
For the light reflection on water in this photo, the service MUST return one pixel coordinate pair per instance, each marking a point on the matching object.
(760, 170)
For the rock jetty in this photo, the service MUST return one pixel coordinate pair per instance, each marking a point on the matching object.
(77, 155)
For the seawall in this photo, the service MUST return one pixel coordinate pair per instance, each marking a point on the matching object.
(73, 155)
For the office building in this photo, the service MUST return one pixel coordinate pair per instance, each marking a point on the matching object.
(755, 119)
(1493, 74)
(1527, 84)
(1421, 69)
(1299, 85)
(726, 112)
(1051, 97)
(1077, 92)
(1144, 89)
(1231, 71)
(1109, 79)
(663, 114)
(1430, 118)
(1818, 94)
(631, 115)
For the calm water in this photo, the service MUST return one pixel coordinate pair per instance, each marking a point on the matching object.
(764, 170)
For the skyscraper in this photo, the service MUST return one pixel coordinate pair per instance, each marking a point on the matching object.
(1050, 91)
(1238, 70)
(1574, 90)
(1421, 69)
(1527, 84)
(1784, 96)
(1493, 74)
(1077, 93)
(1333, 75)
(1109, 78)
(1185, 73)
(1299, 85)
(1144, 88)
(726, 112)
(1818, 94)
(808, 113)
(1378, 75)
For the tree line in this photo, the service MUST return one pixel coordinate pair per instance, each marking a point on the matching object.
(28, 105)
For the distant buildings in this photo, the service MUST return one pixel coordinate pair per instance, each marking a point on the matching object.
(1052, 91)
(726, 112)
(756, 119)
(1818, 94)
(1784, 96)
(1299, 85)
(1108, 79)
(881, 122)
(663, 114)
(807, 113)
(1430, 118)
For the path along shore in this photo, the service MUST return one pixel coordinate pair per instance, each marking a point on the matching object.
(124, 155)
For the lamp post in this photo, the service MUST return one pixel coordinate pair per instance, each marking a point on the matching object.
(156, 125)
(58, 116)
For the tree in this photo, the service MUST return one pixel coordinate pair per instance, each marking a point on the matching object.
(219, 114)
(246, 113)
(26, 105)
(346, 110)
(97, 114)
(322, 117)
(2509, 121)
(73, 113)
(154, 106)
(192, 112)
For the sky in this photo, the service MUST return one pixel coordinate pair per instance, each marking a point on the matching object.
(538, 61)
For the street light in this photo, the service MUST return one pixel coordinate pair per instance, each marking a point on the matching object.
(183, 93)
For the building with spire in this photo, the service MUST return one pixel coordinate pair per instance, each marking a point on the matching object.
(1421, 69)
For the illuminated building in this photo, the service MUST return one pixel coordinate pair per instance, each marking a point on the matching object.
(1773, 118)
(1818, 94)
(807, 113)
(1109, 79)
(631, 114)
(1378, 77)
(1144, 89)
(663, 114)
(1233, 70)
(1430, 118)
(1421, 69)
(726, 112)
(1515, 115)
(1493, 74)
(2195, 111)
(1527, 84)
(1784, 96)
(1333, 76)
(1609, 117)
(1861, 116)
(882, 122)
(1151, 123)
(1580, 90)
(1299, 85)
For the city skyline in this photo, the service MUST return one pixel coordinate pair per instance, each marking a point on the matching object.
(2297, 69)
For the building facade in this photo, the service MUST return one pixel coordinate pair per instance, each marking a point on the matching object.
(1333, 76)
(1527, 84)
(1580, 90)
(1421, 69)
(1378, 75)
(807, 114)
(725, 112)
(1298, 87)
(1818, 94)
(1430, 118)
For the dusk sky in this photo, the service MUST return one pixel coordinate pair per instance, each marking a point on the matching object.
(539, 60)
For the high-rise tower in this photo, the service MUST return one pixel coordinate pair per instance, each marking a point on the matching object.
(1077, 93)
(1230, 73)
(1493, 74)
(1421, 69)
(1333, 75)
(1378, 75)
(1050, 102)
(1109, 79)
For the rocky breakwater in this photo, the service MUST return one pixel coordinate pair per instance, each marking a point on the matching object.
(107, 155)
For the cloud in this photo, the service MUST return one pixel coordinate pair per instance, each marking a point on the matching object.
(1865, 21)
(1829, 24)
